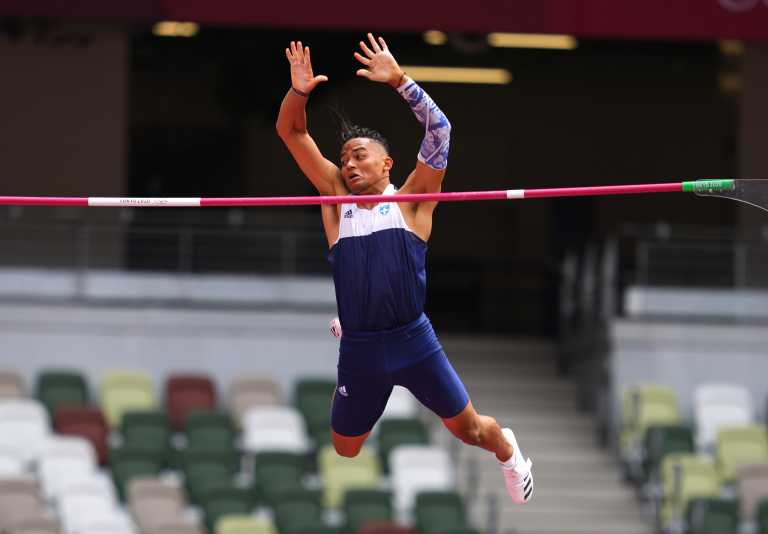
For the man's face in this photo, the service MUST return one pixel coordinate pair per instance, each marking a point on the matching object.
(364, 163)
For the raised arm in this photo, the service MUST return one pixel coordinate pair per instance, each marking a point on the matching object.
(432, 159)
(292, 123)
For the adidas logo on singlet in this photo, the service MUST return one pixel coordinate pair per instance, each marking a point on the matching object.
(348, 214)
(343, 391)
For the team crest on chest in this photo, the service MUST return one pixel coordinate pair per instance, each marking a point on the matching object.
(384, 209)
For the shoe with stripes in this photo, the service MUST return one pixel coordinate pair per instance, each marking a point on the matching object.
(517, 472)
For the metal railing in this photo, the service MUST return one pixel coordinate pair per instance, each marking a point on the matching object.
(85, 245)
(687, 256)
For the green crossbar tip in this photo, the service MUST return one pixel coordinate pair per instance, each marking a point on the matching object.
(709, 186)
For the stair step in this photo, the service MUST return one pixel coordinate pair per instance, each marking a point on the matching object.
(579, 489)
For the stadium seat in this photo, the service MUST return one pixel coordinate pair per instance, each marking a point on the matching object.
(644, 405)
(247, 392)
(275, 472)
(267, 428)
(39, 524)
(737, 446)
(209, 430)
(659, 441)
(437, 511)
(340, 474)
(220, 501)
(711, 515)
(683, 477)
(113, 523)
(319, 529)
(98, 482)
(87, 422)
(128, 462)
(417, 468)
(24, 428)
(761, 517)
(182, 526)
(84, 504)
(395, 432)
(719, 405)
(57, 388)
(185, 393)
(11, 463)
(312, 397)
(244, 524)
(11, 386)
(126, 391)
(401, 405)
(63, 460)
(298, 509)
(204, 469)
(751, 487)
(365, 505)
(19, 499)
(153, 502)
(149, 430)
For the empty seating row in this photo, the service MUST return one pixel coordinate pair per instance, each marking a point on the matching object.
(713, 473)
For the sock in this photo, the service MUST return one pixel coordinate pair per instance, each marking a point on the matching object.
(512, 462)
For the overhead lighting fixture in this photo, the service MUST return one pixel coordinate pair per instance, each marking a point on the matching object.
(532, 40)
(171, 28)
(435, 37)
(458, 74)
(731, 48)
(730, 83)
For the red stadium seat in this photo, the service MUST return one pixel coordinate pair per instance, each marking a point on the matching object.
(87, 422)
(184, 393)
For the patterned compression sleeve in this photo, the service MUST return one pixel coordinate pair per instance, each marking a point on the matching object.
(434, 147)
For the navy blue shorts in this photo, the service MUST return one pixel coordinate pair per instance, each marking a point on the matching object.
(372, 363)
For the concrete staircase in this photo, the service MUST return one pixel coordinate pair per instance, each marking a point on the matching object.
(578, 487)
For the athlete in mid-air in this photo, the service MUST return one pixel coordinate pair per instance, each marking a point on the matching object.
(378, 252)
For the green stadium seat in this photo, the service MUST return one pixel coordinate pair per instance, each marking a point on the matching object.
(57, 388)
(298, 509)
(761, 517)
(209, 430)
(661, 440)
(712, 516)
(364, 505)
(219, 501)
(204, 469)
(312, 397)
(149, 430)
(436, 511)
(130, 462)
(276, 472)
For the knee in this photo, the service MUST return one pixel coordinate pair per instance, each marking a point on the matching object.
(346, 447)
(346, 450)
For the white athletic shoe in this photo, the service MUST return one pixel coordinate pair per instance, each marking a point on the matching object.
(517, 472)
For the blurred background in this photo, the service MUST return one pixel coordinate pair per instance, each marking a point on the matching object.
(623, 338)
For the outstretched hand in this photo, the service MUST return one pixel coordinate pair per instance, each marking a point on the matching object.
(380, 64)
(302, 77)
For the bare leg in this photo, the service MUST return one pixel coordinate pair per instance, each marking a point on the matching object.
(479, 430)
